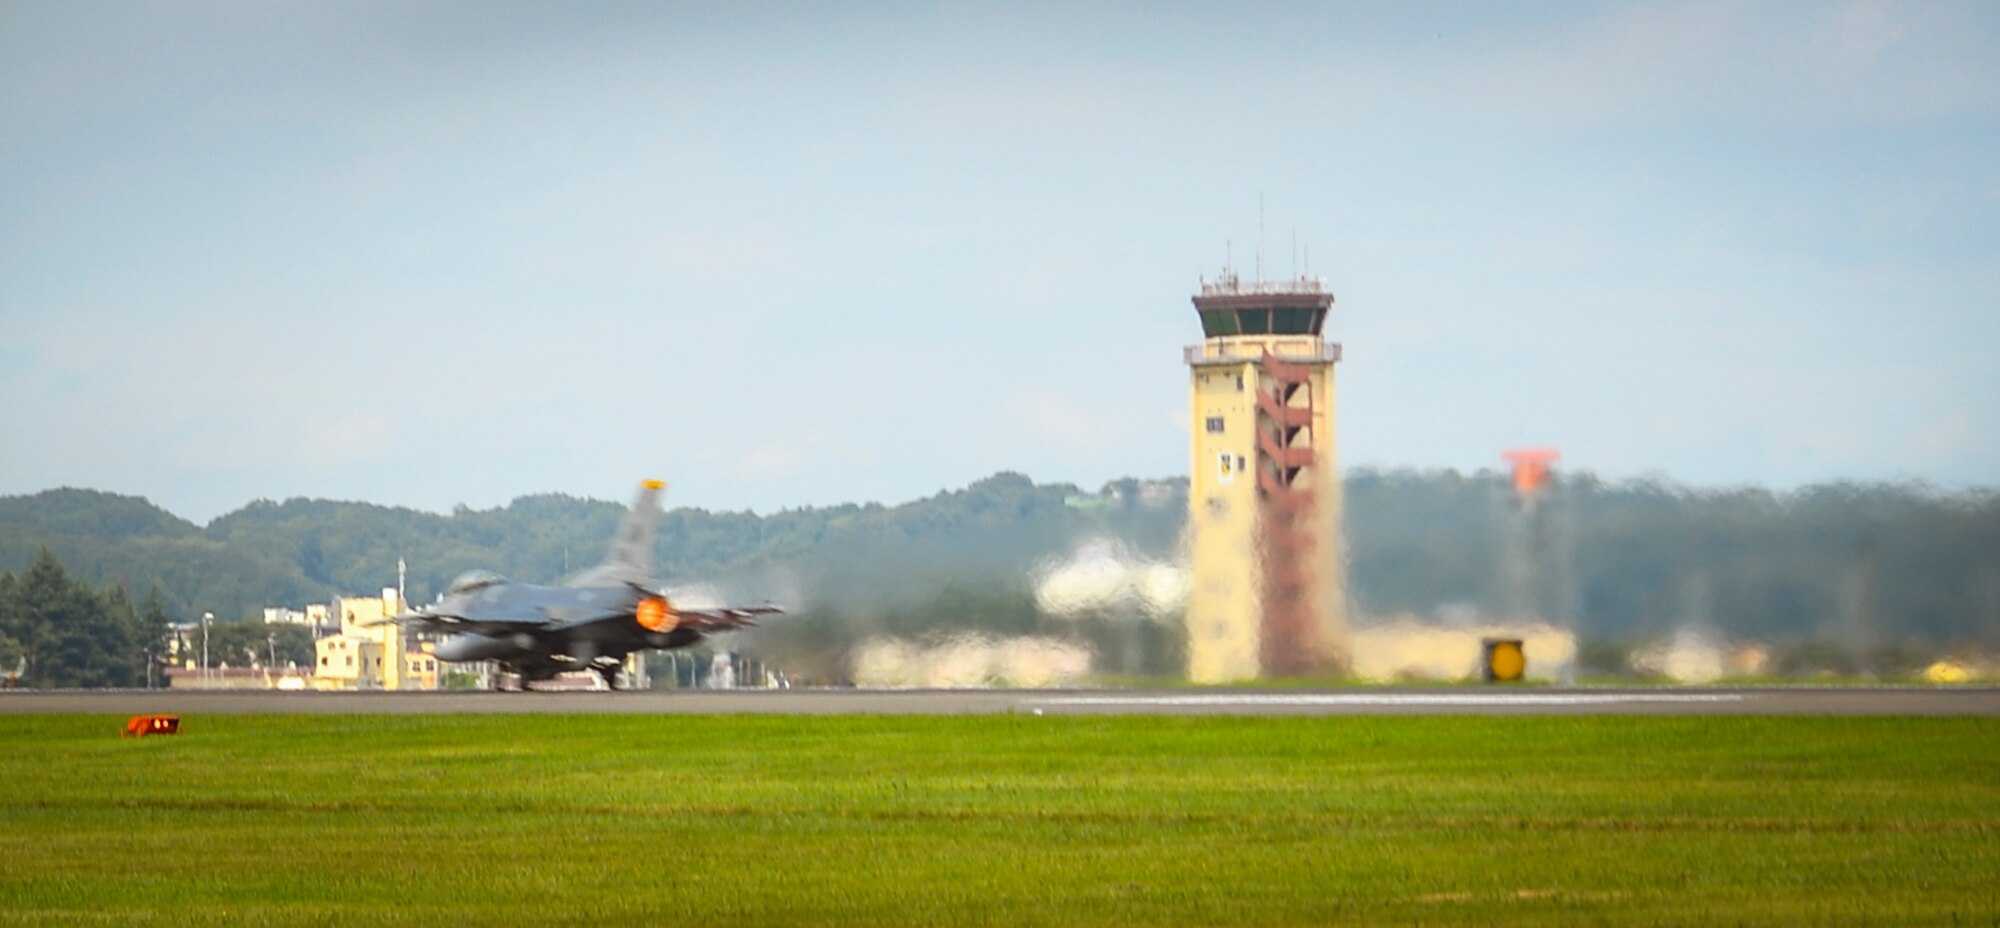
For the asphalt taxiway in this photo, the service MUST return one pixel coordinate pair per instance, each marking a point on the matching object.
(1827, 701)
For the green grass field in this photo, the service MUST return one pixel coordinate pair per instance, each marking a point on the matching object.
(652, 820)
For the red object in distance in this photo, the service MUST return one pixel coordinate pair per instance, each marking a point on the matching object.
(139, 726)
(1531, 468)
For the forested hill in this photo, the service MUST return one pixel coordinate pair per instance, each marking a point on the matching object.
(303, 550)
(1614, 558)
(73, 512)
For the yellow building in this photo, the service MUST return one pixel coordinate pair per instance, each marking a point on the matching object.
(367, 655)
(420, 667)
(1267, 592)
(342, 662)
(358, 614)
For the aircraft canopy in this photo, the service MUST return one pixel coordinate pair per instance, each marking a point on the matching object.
(473, 580)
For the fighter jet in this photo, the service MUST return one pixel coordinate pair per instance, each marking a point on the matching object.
(588, 622)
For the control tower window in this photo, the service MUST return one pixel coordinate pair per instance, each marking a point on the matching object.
(1292, 321)
(1255, 321)
(1216, 322)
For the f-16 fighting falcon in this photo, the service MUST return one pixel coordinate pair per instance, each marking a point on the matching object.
(590, 621)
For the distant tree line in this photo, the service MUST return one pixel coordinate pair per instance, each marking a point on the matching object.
(301, 551)
(1845, 561)
(59, 632)
(1854, 563)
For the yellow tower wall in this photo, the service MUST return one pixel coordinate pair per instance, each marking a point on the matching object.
(1267, 567)
(1222, 609)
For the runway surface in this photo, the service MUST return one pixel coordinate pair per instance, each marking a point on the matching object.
(1848, 701)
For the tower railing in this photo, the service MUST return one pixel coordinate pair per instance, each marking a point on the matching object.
(1231, 285)
(1299, 349)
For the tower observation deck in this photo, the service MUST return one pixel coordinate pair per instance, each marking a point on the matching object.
(1268, 595)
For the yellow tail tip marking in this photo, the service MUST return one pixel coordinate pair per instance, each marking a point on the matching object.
(654, 484)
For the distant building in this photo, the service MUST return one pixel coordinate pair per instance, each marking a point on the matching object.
(280, 615)
(1267, 595)
(225, 677)
(367, 653)
(421, 670)
(344, 662)
(1155, 493)
(183, 643)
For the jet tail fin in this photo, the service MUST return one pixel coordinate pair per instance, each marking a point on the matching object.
(630, 559)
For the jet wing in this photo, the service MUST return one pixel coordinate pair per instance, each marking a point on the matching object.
(458, 624)
(724, 619)
(701, 620)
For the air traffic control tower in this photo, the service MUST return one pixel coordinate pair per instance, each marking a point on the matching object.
(1267, 596)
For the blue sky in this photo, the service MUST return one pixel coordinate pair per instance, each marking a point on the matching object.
(430, 254)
